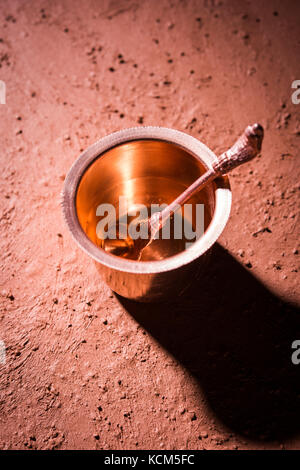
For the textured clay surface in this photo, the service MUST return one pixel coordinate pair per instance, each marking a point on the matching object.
(84, 368)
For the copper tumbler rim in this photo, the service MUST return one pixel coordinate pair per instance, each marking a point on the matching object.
(172, 136)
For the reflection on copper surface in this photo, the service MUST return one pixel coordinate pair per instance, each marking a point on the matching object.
(145, 172)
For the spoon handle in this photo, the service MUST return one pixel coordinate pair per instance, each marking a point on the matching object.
(243, 150)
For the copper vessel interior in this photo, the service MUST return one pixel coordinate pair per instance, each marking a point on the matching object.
(145, 172)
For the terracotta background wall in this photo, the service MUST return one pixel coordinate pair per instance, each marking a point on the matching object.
(85, 369)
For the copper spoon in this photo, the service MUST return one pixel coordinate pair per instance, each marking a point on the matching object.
(245, 149)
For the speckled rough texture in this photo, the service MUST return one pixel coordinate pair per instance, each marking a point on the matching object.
(86, 369)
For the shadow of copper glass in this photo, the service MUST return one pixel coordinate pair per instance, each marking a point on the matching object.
(235, 337)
